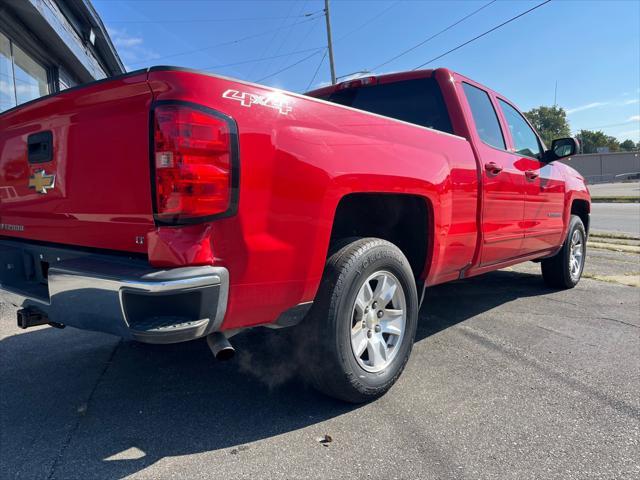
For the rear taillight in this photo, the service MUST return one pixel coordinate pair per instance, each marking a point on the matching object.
(193, 158)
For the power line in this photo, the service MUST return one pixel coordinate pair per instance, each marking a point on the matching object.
(401, 54)
(289, 66)
(481, 35)
(267, 48)
(317, 70)
(610, 125)
(214, 20)
(229, 42)
(287, 35)
(255, 60)
(362, 25)
(376, 16)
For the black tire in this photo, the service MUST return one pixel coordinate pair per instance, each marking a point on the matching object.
(329, 361)
(556, 271)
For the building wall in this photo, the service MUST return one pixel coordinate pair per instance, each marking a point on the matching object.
(65, 37)
(64, 30)
(604, 167)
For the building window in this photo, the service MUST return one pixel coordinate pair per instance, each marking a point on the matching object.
(7, 87)
(21, 78)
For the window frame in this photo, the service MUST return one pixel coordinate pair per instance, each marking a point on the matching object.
(12, 76)
(512, 145)
(30, 48)
(47, 73)
(497, 113)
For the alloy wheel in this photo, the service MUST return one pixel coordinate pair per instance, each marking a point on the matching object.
(378, 322)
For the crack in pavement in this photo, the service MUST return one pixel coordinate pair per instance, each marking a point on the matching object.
(76, 426)
(501, 346)
(619, 321)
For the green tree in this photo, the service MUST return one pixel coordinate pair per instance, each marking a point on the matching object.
(590, 141)
(550, 122)
(628, 146)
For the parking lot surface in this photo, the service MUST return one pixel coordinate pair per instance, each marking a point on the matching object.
(507, 379)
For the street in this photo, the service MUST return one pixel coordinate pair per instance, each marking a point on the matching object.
(616, 218)
(507, 380)
(616, 189)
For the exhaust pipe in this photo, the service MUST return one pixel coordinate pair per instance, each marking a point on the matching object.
(29, 317)
(220, 346)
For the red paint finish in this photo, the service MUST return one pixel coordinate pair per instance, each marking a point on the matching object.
(102, 193)
(299, 157)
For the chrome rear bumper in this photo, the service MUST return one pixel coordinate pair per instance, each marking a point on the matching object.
(114, 294)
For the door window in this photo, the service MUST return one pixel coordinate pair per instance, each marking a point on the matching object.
(525, 141)
(484, 116)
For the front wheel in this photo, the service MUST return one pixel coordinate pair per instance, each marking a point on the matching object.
(564, 269)
(361, 328)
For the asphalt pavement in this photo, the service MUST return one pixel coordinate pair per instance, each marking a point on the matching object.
(616, 218)
(615, 189)
(507, 380)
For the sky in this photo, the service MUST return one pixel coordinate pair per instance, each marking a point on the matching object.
(591, 49)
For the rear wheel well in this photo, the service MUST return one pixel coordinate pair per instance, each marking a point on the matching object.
(400, 219)
(581, 209)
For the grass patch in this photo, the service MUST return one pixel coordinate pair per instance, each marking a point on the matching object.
(616, 236)
(629, 280)
(614, 247)
(619, 199)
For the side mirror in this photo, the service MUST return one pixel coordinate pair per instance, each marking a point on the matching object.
(562, 148)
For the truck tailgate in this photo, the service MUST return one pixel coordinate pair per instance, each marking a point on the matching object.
(75, 168)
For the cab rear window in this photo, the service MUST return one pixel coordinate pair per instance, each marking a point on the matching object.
(416, 101)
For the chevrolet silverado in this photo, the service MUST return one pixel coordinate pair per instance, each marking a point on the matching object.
(166, 205)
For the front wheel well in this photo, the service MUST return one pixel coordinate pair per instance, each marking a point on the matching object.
(581, 208)
(401, 219)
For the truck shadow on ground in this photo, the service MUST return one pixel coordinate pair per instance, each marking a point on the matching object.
(146, 402)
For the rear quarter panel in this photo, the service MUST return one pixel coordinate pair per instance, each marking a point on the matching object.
(297, 160)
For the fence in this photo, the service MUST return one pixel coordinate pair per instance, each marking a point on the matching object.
(606, 167)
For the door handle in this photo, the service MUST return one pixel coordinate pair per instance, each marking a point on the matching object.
(493, 168)
(531, 175)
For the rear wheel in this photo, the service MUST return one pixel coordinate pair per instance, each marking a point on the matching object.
(564, 269)
(361, 328)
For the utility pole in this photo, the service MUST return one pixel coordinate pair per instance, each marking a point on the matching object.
(329, 42)
(555, 95)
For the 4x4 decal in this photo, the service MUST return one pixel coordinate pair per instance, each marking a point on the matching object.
(276, 101)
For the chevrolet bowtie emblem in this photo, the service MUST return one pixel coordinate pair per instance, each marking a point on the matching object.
(40, 181)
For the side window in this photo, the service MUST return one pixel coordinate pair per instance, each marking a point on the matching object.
(484, 116)
(415, 101)
(525, 140)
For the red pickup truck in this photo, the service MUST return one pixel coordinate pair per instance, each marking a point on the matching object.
(167, 205)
